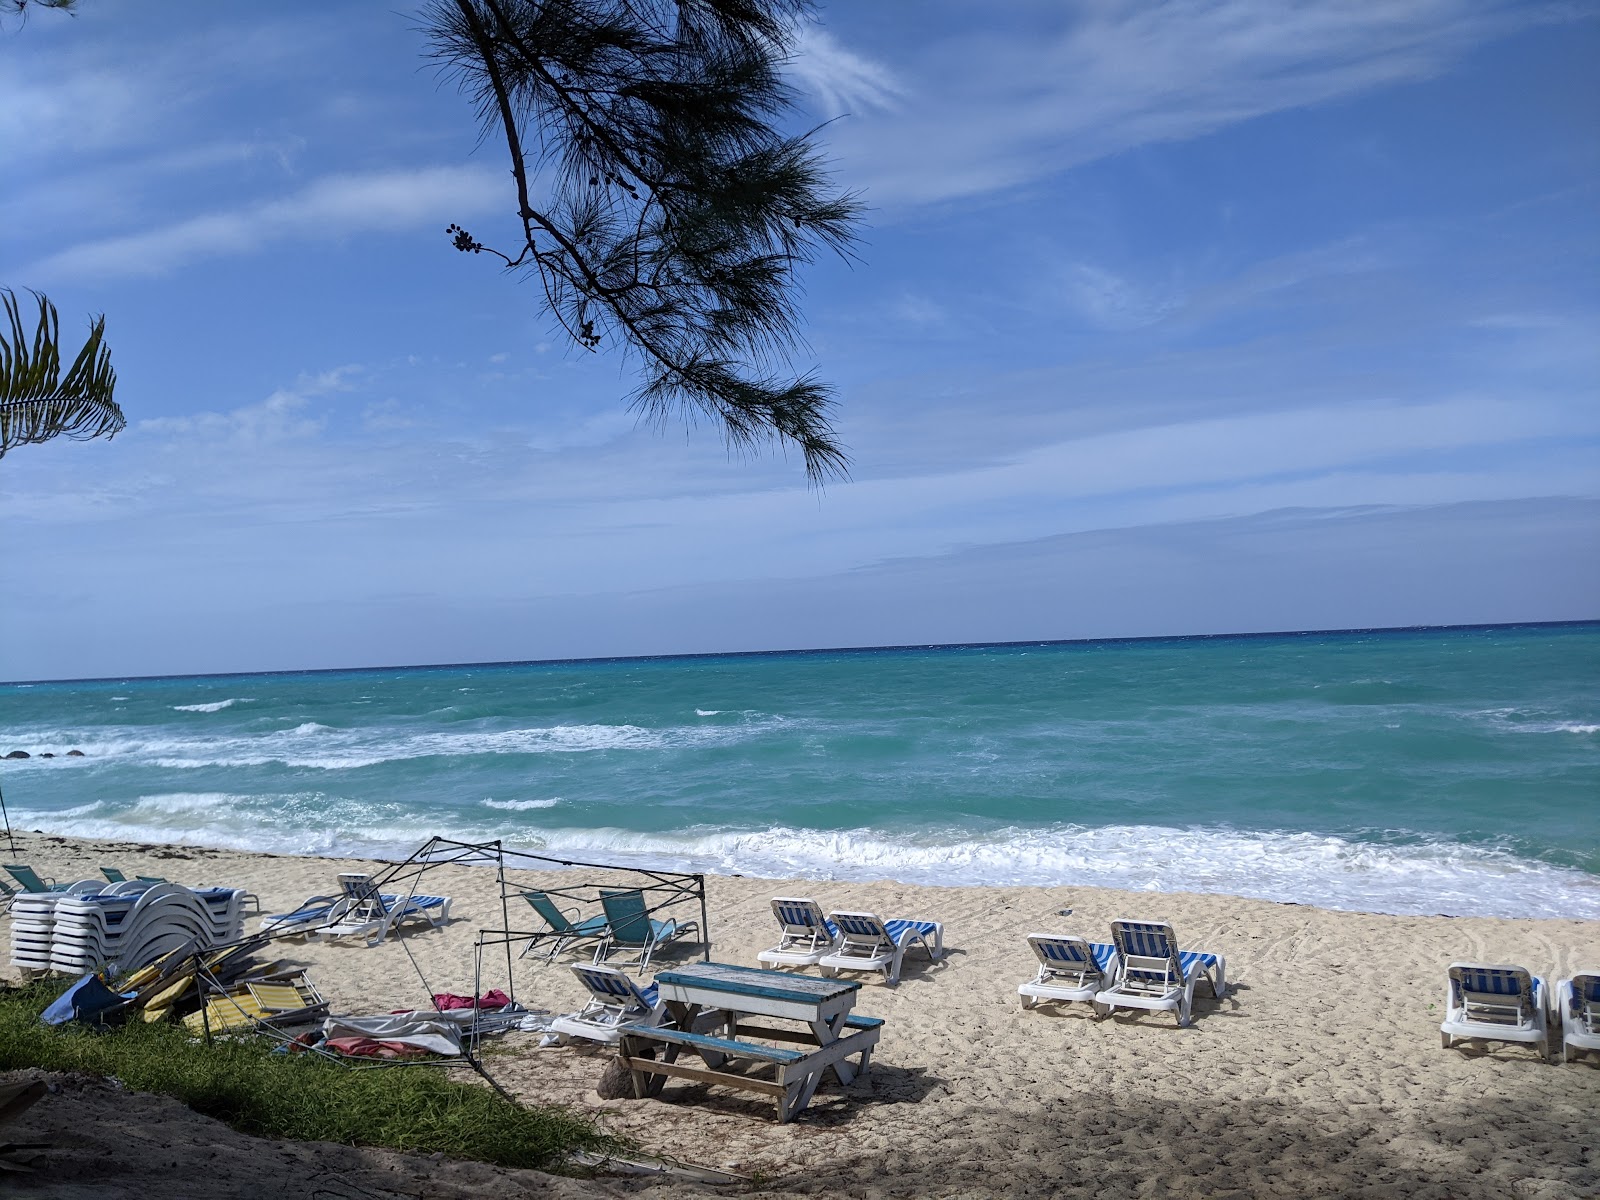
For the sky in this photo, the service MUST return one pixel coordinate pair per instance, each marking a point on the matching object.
(1192, 317)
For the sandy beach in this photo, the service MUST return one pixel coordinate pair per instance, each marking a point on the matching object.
(1320, 1072)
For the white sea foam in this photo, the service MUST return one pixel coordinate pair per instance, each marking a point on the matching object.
(708, 712)
(1332, 872)
(214, 706)
(317, 746)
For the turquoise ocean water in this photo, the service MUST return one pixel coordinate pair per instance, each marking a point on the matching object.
(1424, 771)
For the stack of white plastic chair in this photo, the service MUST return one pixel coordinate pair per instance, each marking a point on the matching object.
(33, 920)
(129, 924)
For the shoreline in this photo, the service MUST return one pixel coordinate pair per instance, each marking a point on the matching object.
(1319, 1072)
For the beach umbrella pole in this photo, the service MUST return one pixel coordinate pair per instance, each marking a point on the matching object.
(9, 838)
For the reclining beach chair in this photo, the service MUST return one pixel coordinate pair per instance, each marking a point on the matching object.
(561, 924)
(807, 937)
(614, 1001)
(113, 875)
(867, 943)
(366, 914)
(1494, 1003)
(314, 911)
(631, 929)
(1070, 969)
(1153, 974)
(30, 881)
(1578, 1009)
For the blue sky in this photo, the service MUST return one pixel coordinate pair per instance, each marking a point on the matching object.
(1172, 318)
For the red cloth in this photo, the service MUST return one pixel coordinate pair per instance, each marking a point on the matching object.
(361, 1047)
(445, 1001)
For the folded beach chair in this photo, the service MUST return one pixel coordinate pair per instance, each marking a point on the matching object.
(630, 929)
(1494, 1002)
(807, 937)
(1153, 974)
(30, 881)
(366, 914)
(561, 924)
(1578, 1008)
(113, 875)
(1070, 968)
(614, 1001)
(867, 943)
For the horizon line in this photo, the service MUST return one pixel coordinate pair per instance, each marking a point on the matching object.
(625, 658)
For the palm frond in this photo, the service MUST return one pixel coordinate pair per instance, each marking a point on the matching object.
(37, 402)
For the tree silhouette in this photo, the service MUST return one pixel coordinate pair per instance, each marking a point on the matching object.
(661, 207)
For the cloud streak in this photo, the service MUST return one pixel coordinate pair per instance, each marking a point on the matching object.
(996, 110)
(333, 206)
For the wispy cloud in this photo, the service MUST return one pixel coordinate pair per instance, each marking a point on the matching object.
(995, 108)
(840, 79)
(333, 206)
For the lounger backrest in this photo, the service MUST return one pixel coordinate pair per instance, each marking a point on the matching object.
(1488, 990)
(611, 986)
(1147, 949)
(113, 875)
(798, 916)
(546, 908)
(1064, 954)
(861, 927)
(626, 916)
(27, 877)
(1586, 1000)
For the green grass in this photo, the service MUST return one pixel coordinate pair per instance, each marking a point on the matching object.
(302, 1097)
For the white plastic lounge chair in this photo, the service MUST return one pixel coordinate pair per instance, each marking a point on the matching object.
(631, 929)
(1153, 974)
(1578, 1008)
(1070, 969)
(364, 913)
(867, 943)
(807, 938)
(1494, 1002)
(314, 911)
(614, 1001)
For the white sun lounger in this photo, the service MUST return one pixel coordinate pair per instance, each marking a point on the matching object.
(867, 943)
(1494, 1003)
(1578, 1009)
(1153, 974)
(807, 938)
(364, 913)
(615, 1000)
(1070, 969)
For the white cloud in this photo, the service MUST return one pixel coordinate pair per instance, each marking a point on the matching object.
(333, 206)
(841, 80)
(996, 107)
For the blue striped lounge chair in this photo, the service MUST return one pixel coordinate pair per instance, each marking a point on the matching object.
(631, 932)
(867, 943)
(1153, 974)
(314, 911)
(807, 937)
(363, 913)
(1494, 1002)
(1578, 1007)
(615, 1001)
(1070, 969)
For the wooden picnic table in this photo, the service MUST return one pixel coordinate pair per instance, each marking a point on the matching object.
(709, 1003)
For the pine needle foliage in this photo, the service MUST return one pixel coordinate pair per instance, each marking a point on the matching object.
(37, 402)
(661, 207)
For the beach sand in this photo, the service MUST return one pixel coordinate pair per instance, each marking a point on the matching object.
(1319, 1074)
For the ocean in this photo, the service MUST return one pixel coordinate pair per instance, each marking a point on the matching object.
(1403, 771)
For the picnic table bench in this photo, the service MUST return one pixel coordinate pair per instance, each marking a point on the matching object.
(708, 1003)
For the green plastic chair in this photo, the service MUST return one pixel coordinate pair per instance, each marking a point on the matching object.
(29, 879)
(631, 928)
(566, 930)
(113, 875)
